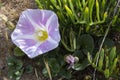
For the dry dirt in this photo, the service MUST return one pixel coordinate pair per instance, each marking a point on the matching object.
(9, 14)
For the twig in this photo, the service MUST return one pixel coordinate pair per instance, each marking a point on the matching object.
(106, 33)
(36, 74)
(48, 69)
(101, 48)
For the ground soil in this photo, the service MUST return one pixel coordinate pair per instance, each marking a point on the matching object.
(10, 11)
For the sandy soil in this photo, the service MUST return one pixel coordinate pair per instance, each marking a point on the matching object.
(9, 14)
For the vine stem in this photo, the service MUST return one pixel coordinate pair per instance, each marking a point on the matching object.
(106, 33)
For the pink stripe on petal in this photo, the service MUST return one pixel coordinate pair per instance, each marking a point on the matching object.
(55, 35)
(24, 43)
(35, 54)
(47, 46)
(34, 14)
(53, 28)
(46, 14)
(31, 51)
(24, 25)
(28, 46)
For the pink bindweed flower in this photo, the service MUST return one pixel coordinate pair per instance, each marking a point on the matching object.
(71, 60)
(36, 32)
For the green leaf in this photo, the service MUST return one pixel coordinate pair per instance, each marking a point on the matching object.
(114, 19)
(15, 69)
(45, 72)
(113, 67)
(70, 13)
(18, 73)
(81, 66)
(106, 73)
(108, 43)
(64, 1)
(79, 54)
(29, 69)
(95, 59)
(15, 75)
(90, 5)
(86, 42)
(68, 10)
(54, 3)
(65, 74)
(97, 10)
(39, 4)
(103, 5)
(14, 63)
(89, 58)
(107, 61)
(112, 54)
(105, 16)
(78, 2)
(101, 59)
(18, 52)
(83, 3)
(72, 8)
(54, 65)
(72, 40)
(86, 14)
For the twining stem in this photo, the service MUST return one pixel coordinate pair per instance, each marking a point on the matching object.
(66, 47)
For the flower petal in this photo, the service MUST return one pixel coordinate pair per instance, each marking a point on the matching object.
(31, 51)
(34, 14)
(47, 46)
(24, 25)
(38, 16)
(41, 48)
(46, 14)
(25, 43)
(53, 27)
(31, 21)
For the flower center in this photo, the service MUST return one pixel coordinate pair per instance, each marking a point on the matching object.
(42, 35)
